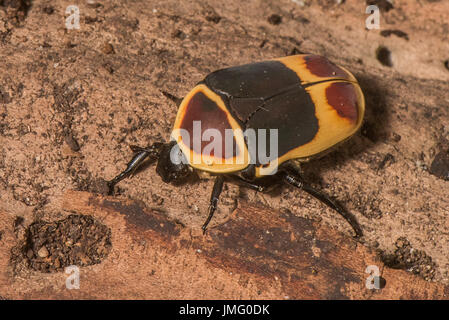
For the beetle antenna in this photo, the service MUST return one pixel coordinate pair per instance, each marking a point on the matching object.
(172, 97)
(295, 179)
(140, 155)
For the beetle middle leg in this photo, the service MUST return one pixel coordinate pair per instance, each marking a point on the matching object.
(216, 191)
(261, 184)
(294, 178)
(140, 155)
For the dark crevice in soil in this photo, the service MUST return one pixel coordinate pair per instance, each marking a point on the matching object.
(51, 246)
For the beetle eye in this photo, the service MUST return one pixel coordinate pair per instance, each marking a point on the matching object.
(176, 156)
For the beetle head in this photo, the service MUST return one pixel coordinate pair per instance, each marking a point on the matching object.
(172, 165)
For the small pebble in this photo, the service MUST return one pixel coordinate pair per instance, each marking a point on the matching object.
(275, 19)
(43, 252)
(108, 48)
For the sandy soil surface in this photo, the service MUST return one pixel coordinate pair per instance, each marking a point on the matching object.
(72, 101)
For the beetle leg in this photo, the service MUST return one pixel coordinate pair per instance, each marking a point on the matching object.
(153, 150)
(140, 155)
(249, 184)
(257, 185)
(218, 187)
(135, 162)
(172, 98)
(294, 179)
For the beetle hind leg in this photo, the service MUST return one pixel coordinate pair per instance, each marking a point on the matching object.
(140, 155)
(295, 179)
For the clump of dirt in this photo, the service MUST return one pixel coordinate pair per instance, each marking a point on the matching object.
(406, 257)
(77, 240)
(275, 19)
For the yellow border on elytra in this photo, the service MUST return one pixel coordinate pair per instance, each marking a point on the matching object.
(210, 163)
(332, 128)
(297, 63)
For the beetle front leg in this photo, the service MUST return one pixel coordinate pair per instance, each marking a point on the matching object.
(295, 179)
(132, 166)
(216, 191)
(140, 155)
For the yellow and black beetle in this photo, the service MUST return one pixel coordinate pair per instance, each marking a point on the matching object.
(312, 104)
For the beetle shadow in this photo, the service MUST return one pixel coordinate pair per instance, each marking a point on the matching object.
(374, 130)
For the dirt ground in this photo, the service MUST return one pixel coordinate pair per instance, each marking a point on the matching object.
(72, 101)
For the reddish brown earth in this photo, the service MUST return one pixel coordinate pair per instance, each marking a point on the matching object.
(72, 101)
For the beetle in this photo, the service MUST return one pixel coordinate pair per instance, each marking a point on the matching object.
(306, 104)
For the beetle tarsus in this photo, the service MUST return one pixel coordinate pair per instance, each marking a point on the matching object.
(296, 180)
(218, 187)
